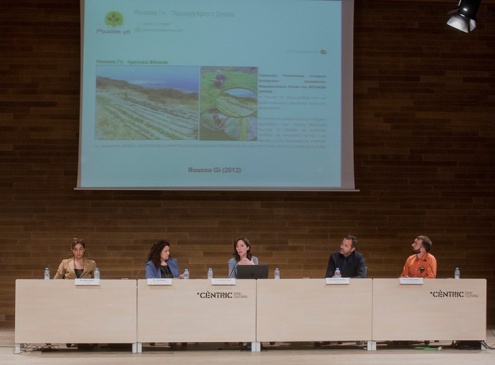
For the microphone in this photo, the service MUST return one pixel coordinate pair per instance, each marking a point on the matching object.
(139, 272)
(233, 270)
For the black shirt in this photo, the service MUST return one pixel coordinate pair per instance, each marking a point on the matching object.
(78, 272)
(165, 272)
(352, 266)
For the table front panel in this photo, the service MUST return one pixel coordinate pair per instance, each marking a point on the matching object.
(58, 311)
(311, 310)
(196, 311)
(440, 309)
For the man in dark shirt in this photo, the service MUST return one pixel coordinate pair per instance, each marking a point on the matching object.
(350, 262)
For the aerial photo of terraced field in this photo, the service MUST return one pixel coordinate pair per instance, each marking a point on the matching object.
(147, 103)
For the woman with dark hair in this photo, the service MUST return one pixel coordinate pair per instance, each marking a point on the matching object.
(160, 264)
(77, 266)
(242, 256)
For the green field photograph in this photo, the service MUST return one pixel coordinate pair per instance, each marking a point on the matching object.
(229, 104)
(147, 103)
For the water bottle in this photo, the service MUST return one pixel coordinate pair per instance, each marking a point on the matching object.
(277, 273)
(210, 273)
(47, 274)
(337, 273)
(186, 274)
(97, 273)
(457, 273)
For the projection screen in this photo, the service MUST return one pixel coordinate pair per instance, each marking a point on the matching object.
(216, 95)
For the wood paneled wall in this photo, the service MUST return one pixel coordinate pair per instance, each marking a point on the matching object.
(424, 116)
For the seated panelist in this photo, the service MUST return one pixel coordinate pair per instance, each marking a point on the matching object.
(242, 256)
(160, 264)
(350, 262)
(421, 264)
(77, 266)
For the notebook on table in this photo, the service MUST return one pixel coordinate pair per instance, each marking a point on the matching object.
(252, 272)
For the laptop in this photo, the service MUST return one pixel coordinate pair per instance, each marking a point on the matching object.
(252, 272)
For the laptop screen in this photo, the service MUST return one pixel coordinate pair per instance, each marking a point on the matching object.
(252, 272)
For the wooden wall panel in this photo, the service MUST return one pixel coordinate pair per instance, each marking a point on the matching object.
(424, 158)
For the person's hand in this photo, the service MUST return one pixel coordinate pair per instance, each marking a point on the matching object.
(245, 261)
(181, 276)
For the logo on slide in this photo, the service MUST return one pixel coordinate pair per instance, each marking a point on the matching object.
(114, 19)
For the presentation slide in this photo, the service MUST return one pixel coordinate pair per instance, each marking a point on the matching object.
(216, 95)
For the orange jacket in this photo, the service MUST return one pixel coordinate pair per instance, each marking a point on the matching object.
(425, 267)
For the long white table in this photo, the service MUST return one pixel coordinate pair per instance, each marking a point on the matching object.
(196, 311)
(58, 311)
(130, 311)
(439, 309)
(311, 310)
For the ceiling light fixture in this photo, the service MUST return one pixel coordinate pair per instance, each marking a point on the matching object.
(464, 16)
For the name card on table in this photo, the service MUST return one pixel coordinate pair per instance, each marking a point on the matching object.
(411, 281)
(87, 282)
(159, 281)
(223, 281)
(337, 281)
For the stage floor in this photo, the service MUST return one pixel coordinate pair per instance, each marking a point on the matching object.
(301, 353)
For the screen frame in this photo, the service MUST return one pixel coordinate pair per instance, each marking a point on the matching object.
(347, 150)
